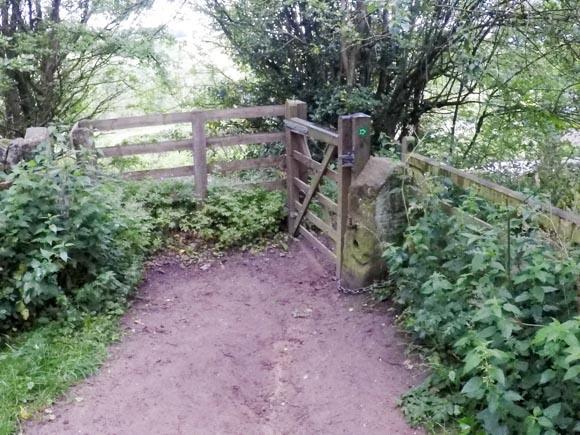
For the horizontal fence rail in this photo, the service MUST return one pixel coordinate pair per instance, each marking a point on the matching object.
(563, 223)
(199, 142)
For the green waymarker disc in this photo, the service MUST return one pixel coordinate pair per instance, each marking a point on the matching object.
(363, 131)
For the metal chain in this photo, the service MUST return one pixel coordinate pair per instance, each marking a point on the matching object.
(360, 290)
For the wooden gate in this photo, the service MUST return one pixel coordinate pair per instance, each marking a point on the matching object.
(346, 151)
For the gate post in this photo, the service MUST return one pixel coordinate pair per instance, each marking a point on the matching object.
(199, 156)
(291, 172)
(345, 148)
(361, 141)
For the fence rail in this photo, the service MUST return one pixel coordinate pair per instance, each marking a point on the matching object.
(198, 144)
(561, 222)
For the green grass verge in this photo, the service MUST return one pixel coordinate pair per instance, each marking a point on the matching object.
(38, 366)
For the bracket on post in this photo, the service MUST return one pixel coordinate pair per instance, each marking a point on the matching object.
(347, 160)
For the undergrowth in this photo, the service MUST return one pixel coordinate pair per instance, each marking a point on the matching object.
(38, 366)
(72, 248)
(495, 310)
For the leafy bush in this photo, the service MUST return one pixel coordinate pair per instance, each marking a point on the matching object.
(497, 312)
(237, 218)
(227, 218)
(67, 243)
(170, 204)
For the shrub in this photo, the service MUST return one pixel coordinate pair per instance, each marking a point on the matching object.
(67, 243)
(497, 312)
(238, 218)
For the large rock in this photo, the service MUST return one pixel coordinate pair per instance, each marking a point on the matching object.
(12, 151)
(377, 217)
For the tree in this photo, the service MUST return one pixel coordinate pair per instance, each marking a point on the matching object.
(54, 60)
(396, 60)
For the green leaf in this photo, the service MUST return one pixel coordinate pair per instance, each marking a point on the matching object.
(552, 411)
(477, 262)
(474, 388)
(512, 396)
(538, 293)
(547, 376)
(545, 422)
(572, 373)
(472, 360)
(512, 309)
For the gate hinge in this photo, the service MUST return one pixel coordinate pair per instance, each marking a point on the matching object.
(347, 160)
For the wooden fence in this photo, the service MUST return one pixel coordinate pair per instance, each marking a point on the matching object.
(199, 142)
(563, 224)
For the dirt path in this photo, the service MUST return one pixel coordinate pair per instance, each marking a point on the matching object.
(257, 345)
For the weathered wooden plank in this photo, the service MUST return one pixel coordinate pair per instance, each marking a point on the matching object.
(315, 243)
(316, 178)
(291, 173)
(311, 130)
(361, 141)
(245, 139)
(136, 121)
(345, 147)
(242, 113)
(240, 165)
(199, 156)
(144, 148)
(564, 223)
(313, 165)
(182, 118)
(318, 223)
(325, 201)
(279, 184)
(181, 171)
(299, 109)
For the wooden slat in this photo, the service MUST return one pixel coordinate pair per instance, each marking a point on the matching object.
(564, 223)
(245, 139)
(318, 223)
(316, 178)
(242, 113)
(182, 118)
(240, 165)
(279, 184)
(144, 148)
(311, 130)
(325, 201)
(316, 244)
(136, 121)
(181, 171)
(180, 145)
(313, 165)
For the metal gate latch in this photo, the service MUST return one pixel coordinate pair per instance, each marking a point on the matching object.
(347, 160)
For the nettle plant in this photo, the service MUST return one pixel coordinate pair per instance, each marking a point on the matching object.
(495, 309)
(67, 243)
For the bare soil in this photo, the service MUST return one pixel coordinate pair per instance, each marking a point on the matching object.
(254, 344)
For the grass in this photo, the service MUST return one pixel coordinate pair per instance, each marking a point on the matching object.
(37, 367)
